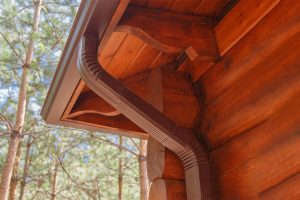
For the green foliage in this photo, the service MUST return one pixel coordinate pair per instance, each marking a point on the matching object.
(92, 163)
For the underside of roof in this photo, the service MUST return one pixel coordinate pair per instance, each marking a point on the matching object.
(215, 81)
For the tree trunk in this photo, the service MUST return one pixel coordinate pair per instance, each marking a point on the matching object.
(14, 178)
(120, 193)
(144, 182)
(8, 166)
(25, 169)
(54, 182)
(15, 135)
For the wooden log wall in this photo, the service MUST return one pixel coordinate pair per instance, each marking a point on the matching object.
(251, 111)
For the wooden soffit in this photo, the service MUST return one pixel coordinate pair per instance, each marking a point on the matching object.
(131, 42)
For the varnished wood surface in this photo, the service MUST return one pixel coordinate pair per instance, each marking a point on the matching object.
(163, 189)
(289, 186)
(89, 102)
(240, 20)
(251, 111)
(198, 7)
(162, 163)
(146, 38)
(251, 96)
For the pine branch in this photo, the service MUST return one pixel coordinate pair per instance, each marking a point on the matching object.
(12, 48)
(6, 122)
(135, 144)
(114, 144)
(73, 180)
(18, 12)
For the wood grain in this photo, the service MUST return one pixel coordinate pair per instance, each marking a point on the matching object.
(125, 56)
(290, 186)
(118, 122)
(255, 47)
(262, 157)
(240, 20)
(183, 6)
(89, 102)
(111, 47)
(198, 7)
(176, 30)
(162, 189)
(210, 7)
(162, 163)
(159, 4)
(238, 109)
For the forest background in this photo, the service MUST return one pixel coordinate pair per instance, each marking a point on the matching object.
(53, 162)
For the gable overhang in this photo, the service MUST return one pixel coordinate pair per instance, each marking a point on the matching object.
(91, 14)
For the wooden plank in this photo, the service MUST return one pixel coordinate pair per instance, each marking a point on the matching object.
(184, 6)
(73, 99)
(138, 2)
(139, 33)
(175, 30)
(237, 109)
(262, 157)
(142, 61)
(118, 13)
(118, 122)
(111, 47)
(256, 46)
(125, 56)
(159, 4)
(182, 109)
(263, 171)
(239, 21)
(210, 7)
(138, 84)
(162, 59)
(288, 190)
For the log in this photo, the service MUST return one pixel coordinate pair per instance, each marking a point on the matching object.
(162, 189)
(162, 162)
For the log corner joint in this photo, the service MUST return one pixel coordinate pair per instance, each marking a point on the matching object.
(181, 141)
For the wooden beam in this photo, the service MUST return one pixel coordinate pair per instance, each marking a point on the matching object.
(263, 157)
(73, 99)
(240, 20)
(162, 162)
(174, 30)
(164, 189)
(122, 5)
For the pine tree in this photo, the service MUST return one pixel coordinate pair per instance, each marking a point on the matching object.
(16, 131)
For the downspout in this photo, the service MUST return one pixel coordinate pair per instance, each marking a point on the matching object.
(181, 141)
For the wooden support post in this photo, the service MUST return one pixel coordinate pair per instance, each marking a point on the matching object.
(161, 162)
(162, 189)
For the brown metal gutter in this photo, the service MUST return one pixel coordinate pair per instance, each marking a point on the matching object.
(181, 141)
